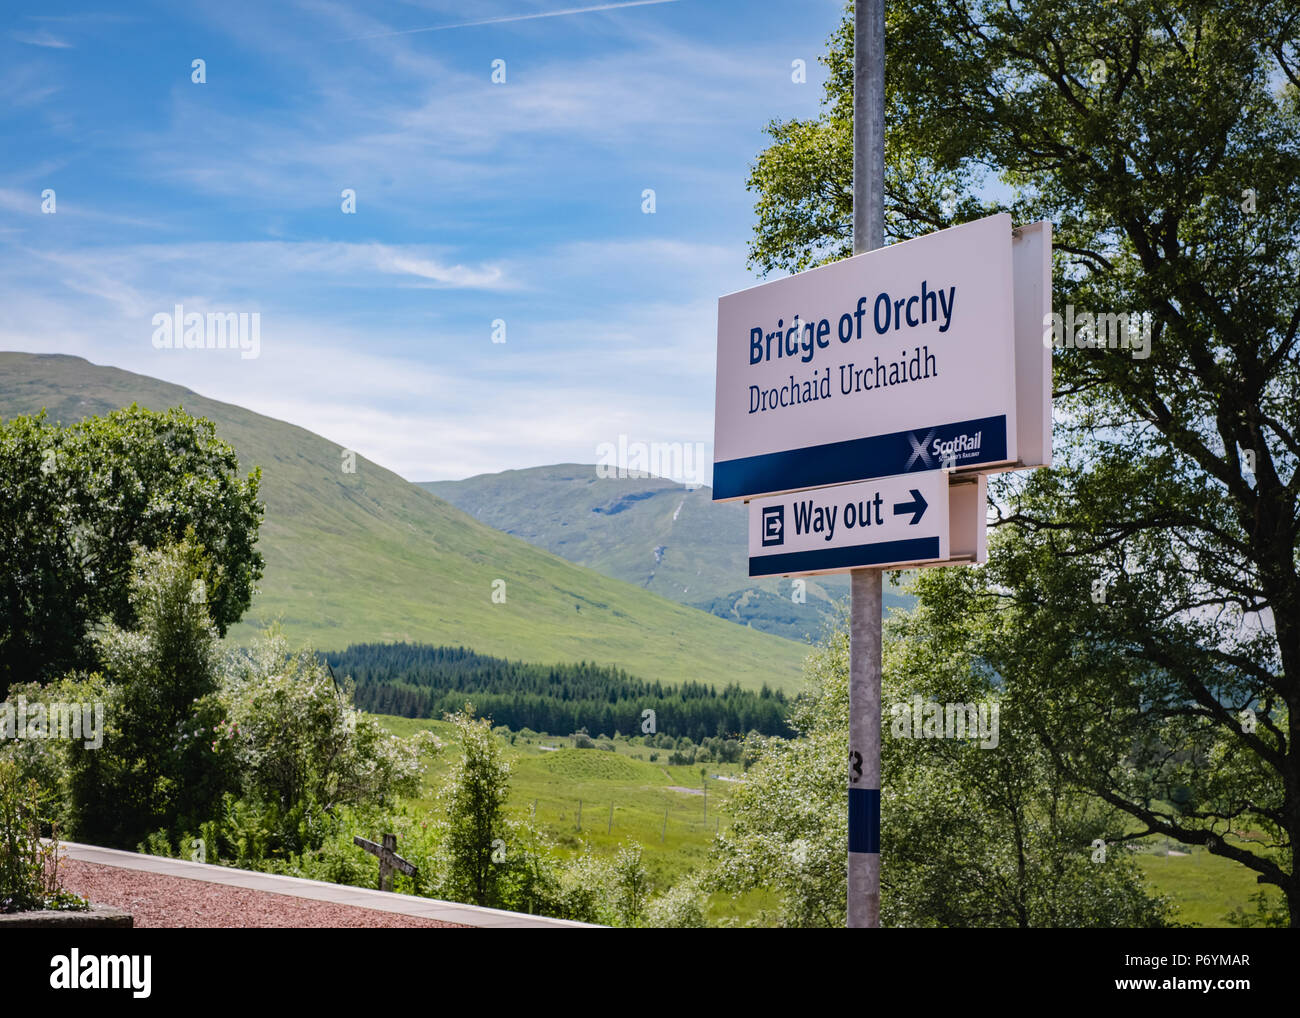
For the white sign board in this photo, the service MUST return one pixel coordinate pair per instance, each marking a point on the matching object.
(896, 361)
(892, 521)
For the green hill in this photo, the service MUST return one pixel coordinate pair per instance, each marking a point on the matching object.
(652, 532)
(368, 556)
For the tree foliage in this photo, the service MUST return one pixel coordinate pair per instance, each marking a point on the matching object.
(970, 836)
(156, 764)
(301, 748)
(475, 795)
(418, 681)
(76, 502)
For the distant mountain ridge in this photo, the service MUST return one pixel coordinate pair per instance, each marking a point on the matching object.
(369, 557)
(655, 533)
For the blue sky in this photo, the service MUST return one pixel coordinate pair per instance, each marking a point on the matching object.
(475, 201)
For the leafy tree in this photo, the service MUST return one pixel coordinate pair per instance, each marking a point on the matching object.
(632, 884)
(970, 836)
(475, 794)
(1150, 580)
(986, 830)
(157, 763)
(789, 820)
(76, 502)
(44, 591)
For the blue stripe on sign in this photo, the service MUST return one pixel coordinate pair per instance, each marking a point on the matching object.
(913, 549)
(864, 820)
(858, 459)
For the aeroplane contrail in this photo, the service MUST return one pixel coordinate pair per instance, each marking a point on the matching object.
(520, 17)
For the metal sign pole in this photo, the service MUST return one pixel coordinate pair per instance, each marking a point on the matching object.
(865, 584)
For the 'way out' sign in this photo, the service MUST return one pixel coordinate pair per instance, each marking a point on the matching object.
(893, 521)
(897, 361)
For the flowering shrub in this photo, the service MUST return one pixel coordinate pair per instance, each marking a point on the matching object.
(301, 748)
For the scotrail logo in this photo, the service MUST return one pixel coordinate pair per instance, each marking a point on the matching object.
(945, 453)
(961, 447)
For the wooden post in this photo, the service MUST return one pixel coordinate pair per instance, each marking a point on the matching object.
(385, 867)
(664, 833)
(579, 814)
(611, 819)
(389, 860)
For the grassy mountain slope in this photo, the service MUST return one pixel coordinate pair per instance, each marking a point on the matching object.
(369, 556)
(649, 531)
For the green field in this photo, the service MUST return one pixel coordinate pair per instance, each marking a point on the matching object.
(1205, 887)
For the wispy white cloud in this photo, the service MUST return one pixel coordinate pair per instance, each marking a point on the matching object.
(41, 38)
(249, 267)
(641, 104)
(29, 203)
(444, 275)
(26, 84)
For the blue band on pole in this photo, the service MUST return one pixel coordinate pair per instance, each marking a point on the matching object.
(864, 820)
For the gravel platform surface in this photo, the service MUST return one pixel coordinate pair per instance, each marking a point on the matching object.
(157, 900)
